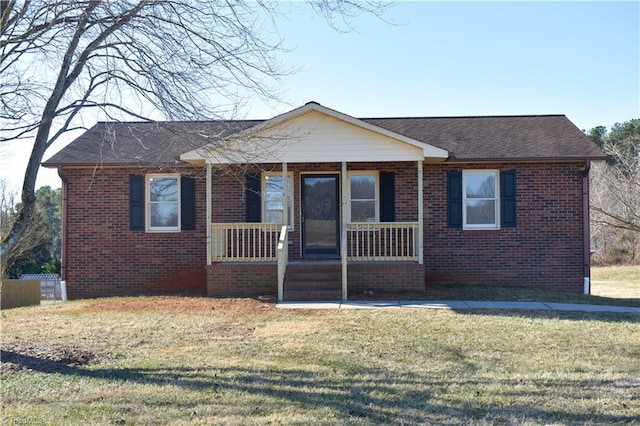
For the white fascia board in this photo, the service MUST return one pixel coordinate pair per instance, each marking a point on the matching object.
(194, 157)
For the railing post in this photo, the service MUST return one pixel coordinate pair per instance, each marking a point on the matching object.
(285, 195)
(208, 201)
(343, 227)
(283, 259)
(420, 215)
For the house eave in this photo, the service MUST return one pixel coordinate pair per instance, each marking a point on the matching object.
(453, 159)
(121, 164)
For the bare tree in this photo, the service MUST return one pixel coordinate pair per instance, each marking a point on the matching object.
(32, 238)
(615, 194)
(140, 59)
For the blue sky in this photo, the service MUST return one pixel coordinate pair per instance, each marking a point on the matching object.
(481, 58)
(581, 59)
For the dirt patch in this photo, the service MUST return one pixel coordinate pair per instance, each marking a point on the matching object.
(178, 304)
(44, 357)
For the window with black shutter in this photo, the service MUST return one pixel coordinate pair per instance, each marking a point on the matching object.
(136, 203)
(187, 203)
(253, 202)
(387, 197)
(454, 199)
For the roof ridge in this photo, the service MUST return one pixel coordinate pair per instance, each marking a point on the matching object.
(246, 120)
(464, 116)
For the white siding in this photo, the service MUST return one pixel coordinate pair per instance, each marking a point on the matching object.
(316, 137)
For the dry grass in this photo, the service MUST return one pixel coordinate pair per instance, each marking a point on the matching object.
(173, 360)
(621, 282)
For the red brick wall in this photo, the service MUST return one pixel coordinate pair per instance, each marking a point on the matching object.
(105, 258)
(242, 279)
(387, 277)
(543, 251)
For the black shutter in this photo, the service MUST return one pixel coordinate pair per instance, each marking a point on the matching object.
(454, 199)
(252, 198)
(508, 198)
(136, 203)
(187, 203)
(387, 197)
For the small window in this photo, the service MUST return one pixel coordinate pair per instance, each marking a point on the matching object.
(480, 199)
(363, 197)
(272, 205)
(163, 201)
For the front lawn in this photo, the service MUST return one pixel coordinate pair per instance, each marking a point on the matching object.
(176, 360)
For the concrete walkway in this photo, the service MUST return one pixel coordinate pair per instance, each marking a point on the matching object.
(457, 305)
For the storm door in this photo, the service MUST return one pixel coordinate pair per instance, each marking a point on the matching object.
(320, 215)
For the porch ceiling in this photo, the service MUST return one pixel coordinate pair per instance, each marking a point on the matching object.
(313, 134)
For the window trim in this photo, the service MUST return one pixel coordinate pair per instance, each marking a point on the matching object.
(263, 201)
(148, 202)
(496, 199)
(376, 184)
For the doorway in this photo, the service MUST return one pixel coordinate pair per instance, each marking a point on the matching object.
(320, 215)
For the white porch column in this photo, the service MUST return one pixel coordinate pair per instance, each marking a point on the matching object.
(285, 195)
(420, 215)
(209, 214)
(343, 234)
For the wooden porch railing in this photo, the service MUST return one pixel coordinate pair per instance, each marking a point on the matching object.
(366, 241)
(382, 241)
(244, 242)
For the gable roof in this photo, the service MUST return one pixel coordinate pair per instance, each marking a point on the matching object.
(311, 134)
(429, 150)
(486, 138)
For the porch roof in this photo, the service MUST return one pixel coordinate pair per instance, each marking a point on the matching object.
(311, 134)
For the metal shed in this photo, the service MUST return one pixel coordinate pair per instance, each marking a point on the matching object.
(50, 288)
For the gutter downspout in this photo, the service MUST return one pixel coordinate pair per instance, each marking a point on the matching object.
(586, 259)
(63, 231)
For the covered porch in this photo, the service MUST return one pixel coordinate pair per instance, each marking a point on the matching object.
(374, 255)
(331, 203)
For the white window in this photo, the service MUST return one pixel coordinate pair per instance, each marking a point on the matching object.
(480, 194)
(363, 197)
(163, 202)
(272, 205)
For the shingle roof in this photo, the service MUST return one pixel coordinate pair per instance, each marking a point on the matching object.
(498, 137)
(118, 143)
(540, 137)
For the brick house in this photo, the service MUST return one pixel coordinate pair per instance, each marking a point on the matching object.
(318, 204)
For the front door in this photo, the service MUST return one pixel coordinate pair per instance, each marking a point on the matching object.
(320, 215)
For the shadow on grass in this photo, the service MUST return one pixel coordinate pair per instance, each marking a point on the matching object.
(610, 317)
(372, 395)
(496, 293)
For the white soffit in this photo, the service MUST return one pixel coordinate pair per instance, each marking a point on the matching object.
(311, 134)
